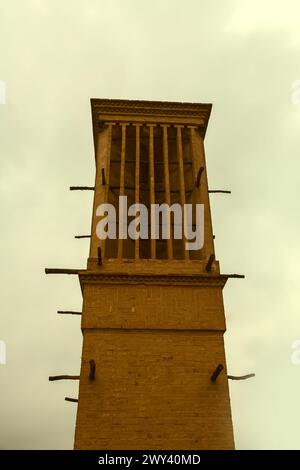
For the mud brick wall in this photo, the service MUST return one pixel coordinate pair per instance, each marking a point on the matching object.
(153, 391)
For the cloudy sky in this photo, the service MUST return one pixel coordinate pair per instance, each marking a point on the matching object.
(242, 56)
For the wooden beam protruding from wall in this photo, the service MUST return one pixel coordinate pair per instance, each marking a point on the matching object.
(61, 271)
(209, 263)
(74, 400)
(199, 174)
(68, 312)
(240, 377)
(216, 372)
(82, 188)
(92, 374)
(52, 378)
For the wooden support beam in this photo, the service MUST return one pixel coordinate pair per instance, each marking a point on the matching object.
(92, 370)
(240, 377)
(219, 191)
(99, 256)
(82, 236)
(216, 372)
(235, 276)
(74, 400)
(82, 188)
(52, 378)
(209, 263)
(199, 174)
(68, 312)
(61, 271)
(103, 176)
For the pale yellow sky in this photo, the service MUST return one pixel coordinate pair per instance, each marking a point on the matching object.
(243, 57)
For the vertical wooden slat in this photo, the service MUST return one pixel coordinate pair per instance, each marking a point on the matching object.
(122, 181)
(192, 146)
(137, 180)
(107, 173)
(195, 167)
(167, 185)
(197, 190)
(208, 248)
(201, 193)
(94, 243)
(181, 181)
(152, 182)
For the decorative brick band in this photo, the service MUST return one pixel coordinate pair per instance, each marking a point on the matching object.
(168, 279)
(151, 107)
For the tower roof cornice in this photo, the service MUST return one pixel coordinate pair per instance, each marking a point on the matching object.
(142, 111)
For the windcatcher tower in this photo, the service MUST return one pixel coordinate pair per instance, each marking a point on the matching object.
(153, 318)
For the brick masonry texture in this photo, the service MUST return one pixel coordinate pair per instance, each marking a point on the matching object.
(172, 307)
(153, 391)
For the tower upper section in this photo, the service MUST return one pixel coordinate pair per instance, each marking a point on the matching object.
(152, 153)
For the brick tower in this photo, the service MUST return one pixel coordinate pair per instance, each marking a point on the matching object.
(153, 317)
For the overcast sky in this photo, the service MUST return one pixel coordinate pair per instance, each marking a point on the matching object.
(241, 56)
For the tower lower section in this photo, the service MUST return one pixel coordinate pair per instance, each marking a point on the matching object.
(155, 340)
